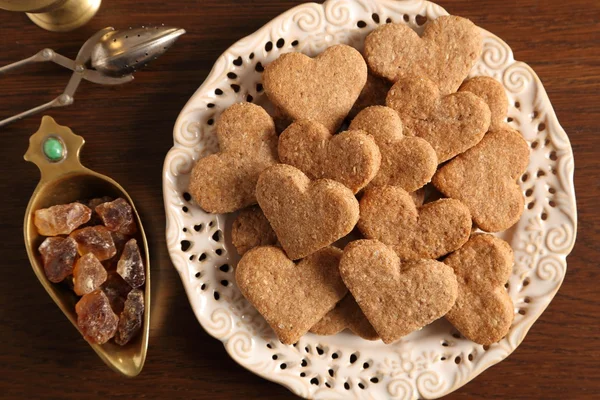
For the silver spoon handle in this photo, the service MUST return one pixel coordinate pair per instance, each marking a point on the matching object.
(60, 101)
(18, 64)
(67, 97)
(46, 55)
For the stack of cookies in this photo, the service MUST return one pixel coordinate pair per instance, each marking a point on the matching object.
(391, 151)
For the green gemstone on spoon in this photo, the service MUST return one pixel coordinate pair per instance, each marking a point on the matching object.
(54, 149)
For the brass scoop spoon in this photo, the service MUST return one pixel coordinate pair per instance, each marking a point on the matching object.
(55, 150)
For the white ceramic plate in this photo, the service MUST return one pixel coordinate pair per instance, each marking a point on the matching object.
(425, 364)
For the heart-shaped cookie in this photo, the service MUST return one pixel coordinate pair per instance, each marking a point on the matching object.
(372, 94)
(323, 88)
(408, 162)
(251, 229)
(225, 182)
(484, 179)
(291, 297)
(346, 315)
(389, 214)
(451, 124)
(350, 157)
(445, 53)
(397, 298)
(483, 311)
(306, 215)
(493, 93)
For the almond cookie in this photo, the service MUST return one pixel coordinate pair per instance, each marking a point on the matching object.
(446, 52)
(225, 182)
(408, 162)
(396, 297)
(451, 124)
(493, 93)
(389, 214)
(323, 88)
(484, 179)
(350, 157)
(291, 297)
(483, 311)
(347, 314)
(372, 94)
(306, 215)
(251, 229)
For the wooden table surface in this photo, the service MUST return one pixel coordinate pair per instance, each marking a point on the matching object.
(128, 131)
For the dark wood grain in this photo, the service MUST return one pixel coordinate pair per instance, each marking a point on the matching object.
(128, 131)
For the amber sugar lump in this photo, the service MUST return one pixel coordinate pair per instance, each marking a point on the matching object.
(130, 266)
(88, 274)
(131, 319)
(58, 255)
(117, 216)
(95, 317)
(61, 219)
(96, 240)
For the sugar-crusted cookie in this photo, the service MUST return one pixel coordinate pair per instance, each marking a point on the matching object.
(483, 311)
(372, 94)
(397, 298)
(350, 157)
(346, 315)
(225, 182)
(450, 123)
(484, 179)
(389, 214)
(408, 162)
(251, 229)
(493, 93)
(323, 88)
(306, 215)
(291, 297)
(445, 53)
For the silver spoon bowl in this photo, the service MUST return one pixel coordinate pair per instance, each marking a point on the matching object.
(120, 53)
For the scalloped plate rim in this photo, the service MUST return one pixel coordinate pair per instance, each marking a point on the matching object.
(189, 288)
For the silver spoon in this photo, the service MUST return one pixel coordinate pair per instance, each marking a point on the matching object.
(115, 55)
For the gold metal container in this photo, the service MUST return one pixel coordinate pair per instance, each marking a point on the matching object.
(55, 15)
(65, 181)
